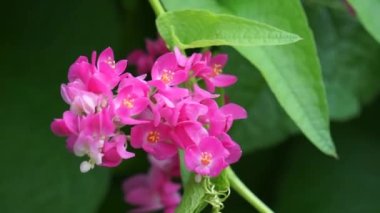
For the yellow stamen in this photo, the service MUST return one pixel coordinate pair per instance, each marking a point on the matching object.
(206, 158)
(153, 137)
(129, 102)
(111, 62)
(167, 76)
(216, 70)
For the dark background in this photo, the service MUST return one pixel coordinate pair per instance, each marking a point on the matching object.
(40, 39)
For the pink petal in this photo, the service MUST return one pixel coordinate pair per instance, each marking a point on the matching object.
(224, 80)
(220, 59)
(138, 134)
(105, 55)
(132, 121)
(140, 105)
(192, 154)
(179, 77)
(120, 66)
(82, 71)
(217, 167)
(201, 94)
(58, 127)
(164, 62)
(135, 55)
(213, 146)
(97, 86)
(160, 150)
(234, 150)
(235, 110)
(72, 121)
(181, 59)
(209, 85)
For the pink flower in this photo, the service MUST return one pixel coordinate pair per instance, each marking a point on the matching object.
(234, 150)
(80, 100)
(87, 145)
(201, 94)
(98, 78)
(184, 110)
(156, 47)
(207, 158)
(220, 119)
(131, 101)
(114, 151)
(167, 72)
(152, 192)
(144, 60)
(68, 126)
(65, 126)
(95, 130)
(188, 133)
(168, 166)
(212, 71)
(153, 139)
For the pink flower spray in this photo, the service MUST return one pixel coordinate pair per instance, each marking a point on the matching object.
(170, 112)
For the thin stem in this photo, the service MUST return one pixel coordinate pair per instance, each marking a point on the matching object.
(244, 191)
(157, 7)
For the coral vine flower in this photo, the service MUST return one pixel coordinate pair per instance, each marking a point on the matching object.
(166, 71)
(206, 158)
(144, 60)
(210, 69)
(152, 192)
(153, 139)
(130, 102)
(98, 78)
(114, 151)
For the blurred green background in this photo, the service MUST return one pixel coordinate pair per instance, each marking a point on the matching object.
(40, 39)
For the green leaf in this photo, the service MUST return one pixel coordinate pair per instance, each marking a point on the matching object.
(293, 71)
(368, 12)
(265, 115)
(195, 196)
(313, 183)
(201, 28)
(349, 58)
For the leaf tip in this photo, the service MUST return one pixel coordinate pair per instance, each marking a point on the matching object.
(331, 150)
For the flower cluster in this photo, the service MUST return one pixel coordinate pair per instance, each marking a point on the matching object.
(176, 109)
(155, 190)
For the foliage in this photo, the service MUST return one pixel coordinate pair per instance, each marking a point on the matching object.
(330, 75)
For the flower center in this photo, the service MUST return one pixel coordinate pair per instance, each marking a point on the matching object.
(167, 76)
(129, 102)
(216, 70)
(206, 158)
(111, 62)
(153, 137)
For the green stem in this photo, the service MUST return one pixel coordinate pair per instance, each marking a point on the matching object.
(244, 191)
(185, 174)
(157, 7)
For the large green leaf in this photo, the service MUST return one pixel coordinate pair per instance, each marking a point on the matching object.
(349, 58)
(265, 115)
(201, 28)
(292, 71)
(313, 183)
(368, 12)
